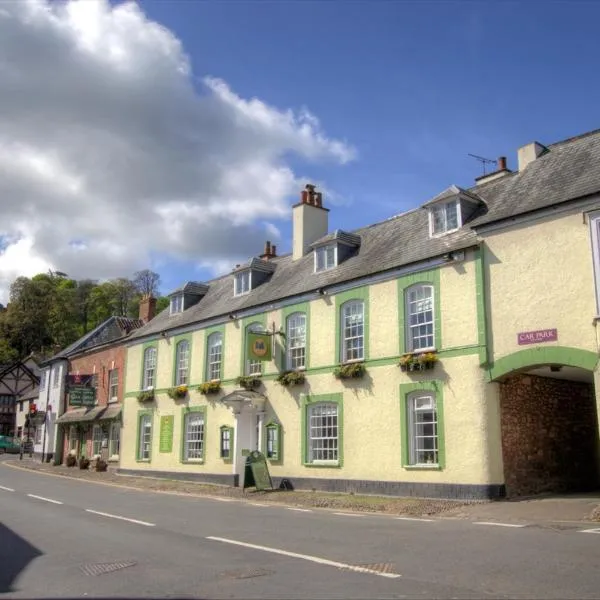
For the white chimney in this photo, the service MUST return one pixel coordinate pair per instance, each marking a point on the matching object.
(310, 221)
(527, 154)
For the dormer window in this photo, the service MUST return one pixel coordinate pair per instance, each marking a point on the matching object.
(176, 304)
(243, 281)
(325, 257)
(444, 217)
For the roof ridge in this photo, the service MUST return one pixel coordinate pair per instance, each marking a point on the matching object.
(573, 138)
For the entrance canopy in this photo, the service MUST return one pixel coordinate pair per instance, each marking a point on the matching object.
(97, 413)
(244, 398)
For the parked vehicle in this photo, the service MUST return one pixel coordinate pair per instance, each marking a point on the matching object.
(9, 445)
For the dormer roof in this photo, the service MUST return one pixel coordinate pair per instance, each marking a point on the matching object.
(452, 193)
(257, 264)
(193, 288)
(340, 236)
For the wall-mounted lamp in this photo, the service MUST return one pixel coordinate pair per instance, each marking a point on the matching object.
(322, 292)
(163, 334)
(232, 316)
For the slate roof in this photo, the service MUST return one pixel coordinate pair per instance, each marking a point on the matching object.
(570, 170)
(339, 235)
(193, 288)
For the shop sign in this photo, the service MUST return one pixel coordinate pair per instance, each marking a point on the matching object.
(537, 337)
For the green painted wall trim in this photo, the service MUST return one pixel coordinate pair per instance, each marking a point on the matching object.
(175, 341)
(207, 333)
(186, 410)
(306, 401)
(244, 324)
(361, 293)
(436, 386)
(303, 307)
(432, 277)
(482, 329)
(278, 455)
(140, 414)
(153, 344)
(543, 355)
(229, 457)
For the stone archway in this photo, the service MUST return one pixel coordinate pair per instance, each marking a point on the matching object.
(549, 420)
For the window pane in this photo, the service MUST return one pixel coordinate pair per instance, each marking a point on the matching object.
(323, 432)
(420, 317)
(451, 216)
(423, 430)
(113, 385)
(183, 362)
(115, 439)
(194, 436)
(215, 352)
(96, 440)
(149, 367)
(296, 341)
(225, 443)
(353, 331)
(145, 437)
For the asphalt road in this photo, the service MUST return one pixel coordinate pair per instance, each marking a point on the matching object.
(64, 538)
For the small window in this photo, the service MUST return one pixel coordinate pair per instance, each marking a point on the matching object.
(353, 330)
(420, 313)
(56, 374)
(145, 437)
(322, 433)
(325, 258)
(96, 440)
(242, 283)
(226, 449)
(176, 304)
(113, 385)
(149, 368)
(296, 341)
(423, 429)
(273, 441)
(254, 367)
(193, 443)
(444, 218)
(115, 439)
(182, 362)
(214, 356)
(21, 406)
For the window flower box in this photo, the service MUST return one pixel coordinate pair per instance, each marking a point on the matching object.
(291, 378)
(418, 362)
(210, 387)
(248, 382)
(146, 396)
(178, 392)
(350, 371)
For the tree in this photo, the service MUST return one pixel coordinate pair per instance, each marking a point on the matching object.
(146, 282)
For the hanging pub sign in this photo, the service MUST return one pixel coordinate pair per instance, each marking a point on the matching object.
(76, 379)
(258, 346)
(82, 396)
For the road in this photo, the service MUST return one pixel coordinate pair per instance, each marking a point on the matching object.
(64, 538)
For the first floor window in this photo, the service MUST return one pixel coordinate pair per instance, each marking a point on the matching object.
(272, 441)
(226, 442)
(97, 440)
(115, 439)
(254, 367)
(113, 385)
(182, 362)
(423, 429)
(419, 308)
(149, 368)
(215, 356)
(353, 331)
(145, 437)
(193, 443)
(323, 433)
(296, 341)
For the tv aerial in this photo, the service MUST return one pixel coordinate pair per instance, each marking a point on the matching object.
(484, 161)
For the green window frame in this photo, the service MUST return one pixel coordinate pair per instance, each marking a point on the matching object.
(145, 353)
(181, 377)
(226, 442)
(272, 443)
(405, 284)
(144, 415)
(341, 300)
(319, 421)
(195, 437)
(408, 393)
(210, 336)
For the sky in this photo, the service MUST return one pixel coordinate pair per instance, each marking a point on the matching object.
(176, 135)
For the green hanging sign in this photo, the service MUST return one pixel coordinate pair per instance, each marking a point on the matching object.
(258, 346)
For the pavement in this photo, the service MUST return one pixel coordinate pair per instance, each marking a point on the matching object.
(66, 538)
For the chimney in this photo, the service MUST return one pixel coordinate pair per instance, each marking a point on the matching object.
(310, 221)
(147, 308)
(270, 251)
(527, 154)
(500, 171)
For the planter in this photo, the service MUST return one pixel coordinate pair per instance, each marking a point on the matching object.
(290, 378)
(147, 396)
(178, 392)
(84, 463)
(210, 387)
(101, 465)
(418, 362)
(248, 382)
(350, 371)
(71, 461)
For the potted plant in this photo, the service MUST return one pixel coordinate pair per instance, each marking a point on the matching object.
(146, 396)
(178, 392)
(101, 465)
(248, 382)
(350, 371)
(427, 360)
(84, 463)
(71, 460)
(290, 378)
(210, 387)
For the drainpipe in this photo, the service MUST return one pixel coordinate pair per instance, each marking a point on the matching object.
(48, 383)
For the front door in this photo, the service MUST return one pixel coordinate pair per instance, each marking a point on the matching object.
(248, 423)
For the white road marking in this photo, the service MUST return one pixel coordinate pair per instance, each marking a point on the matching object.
(308, 557)
(414, 519)
(6, 489)
(343, 514)
(103, 514)
(597, 530)
(498, 524)
(223, 499)
(44, 499)
(299, 509)
(257, 504)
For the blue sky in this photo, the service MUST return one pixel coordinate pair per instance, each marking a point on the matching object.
(414, 86)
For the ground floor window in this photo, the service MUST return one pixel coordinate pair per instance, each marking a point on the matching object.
(145, 437)
(73, 439)
(226, 442)
(423, 429)
(273, 441)
(323, 432)
(193, 436)
(38, 435)
(96, 440)
(115, 440)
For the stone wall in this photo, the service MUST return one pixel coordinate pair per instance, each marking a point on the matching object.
(549, 435)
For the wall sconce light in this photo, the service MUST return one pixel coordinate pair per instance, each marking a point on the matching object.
(322, 292)
(232, 316)
(163, 334)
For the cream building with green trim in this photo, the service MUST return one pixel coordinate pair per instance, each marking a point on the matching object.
(397, 340)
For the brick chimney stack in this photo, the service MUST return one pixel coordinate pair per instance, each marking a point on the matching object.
(270, 251)
(147, 308)
(310, 221)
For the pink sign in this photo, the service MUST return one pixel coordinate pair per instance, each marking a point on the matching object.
(537, 337)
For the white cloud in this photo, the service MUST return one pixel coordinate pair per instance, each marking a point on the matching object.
(108, 151)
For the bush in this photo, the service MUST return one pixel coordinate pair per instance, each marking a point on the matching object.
(71, 461)
(101, 465)
(84, 463)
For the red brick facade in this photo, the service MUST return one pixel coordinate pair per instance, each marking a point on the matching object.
(549, 435)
